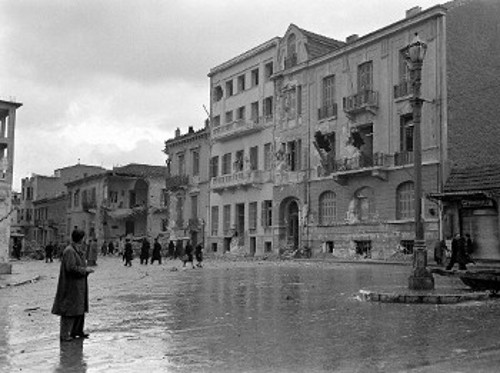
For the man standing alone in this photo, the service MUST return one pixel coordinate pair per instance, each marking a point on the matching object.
(72, 297)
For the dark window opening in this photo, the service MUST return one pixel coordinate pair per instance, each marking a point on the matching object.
(364, 248)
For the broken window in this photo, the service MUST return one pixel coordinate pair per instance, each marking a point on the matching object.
(289, 103)
(218, 93)
(365, 77)
(268, 108)
(229, 116)
(226, 164)
(328, 107)
(214, 166)
(325, 145)
(216, 121)
(293, 154)
(364, 248)
(226, 219)
(268, 156)
(267, 213)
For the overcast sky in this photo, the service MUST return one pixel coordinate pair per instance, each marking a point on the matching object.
(106, 82)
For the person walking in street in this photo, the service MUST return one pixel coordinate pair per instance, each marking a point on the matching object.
(156, 252)
(198, 253)
(111, 248)
(92, 253)
(128, 253)
(49, 252)
(171, 249)
(178, 249)
(145, 251)
(104, 248)
(440, 250)
(17, 248)
(458, 254)
(188, 254)
(72, 299)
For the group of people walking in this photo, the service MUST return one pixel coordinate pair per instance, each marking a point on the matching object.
(460, 253)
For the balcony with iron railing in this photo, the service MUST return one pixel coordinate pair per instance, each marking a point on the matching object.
(238, 128)
(402, 89)
(376, 164)
(403, 158)
(240, 179)
(291, 61)
(366, 100)
(327, 111)
(177, 182)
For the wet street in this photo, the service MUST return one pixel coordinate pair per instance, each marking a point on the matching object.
(245, 317)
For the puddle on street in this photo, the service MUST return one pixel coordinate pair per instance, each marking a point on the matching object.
(268, 318)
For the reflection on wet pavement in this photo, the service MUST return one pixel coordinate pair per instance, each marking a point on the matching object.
(246, 317)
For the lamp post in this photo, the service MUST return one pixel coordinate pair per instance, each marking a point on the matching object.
(421, 278)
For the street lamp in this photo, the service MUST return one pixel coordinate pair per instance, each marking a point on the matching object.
(421, 278)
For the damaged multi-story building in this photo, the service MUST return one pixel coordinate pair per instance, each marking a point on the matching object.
(333, 122)
(186, 189)
(242, 127)
(125, 201)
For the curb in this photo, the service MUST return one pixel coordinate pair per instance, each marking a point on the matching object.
(19, 283)
(409, 298)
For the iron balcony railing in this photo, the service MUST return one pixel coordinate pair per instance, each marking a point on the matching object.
(361, 101)
(240, 178)
(238, 127)
(362, 161)
(327, 111)
(403, 158)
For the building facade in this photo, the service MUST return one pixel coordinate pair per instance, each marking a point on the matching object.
(126, 201)
(7, 141)
(187, 185)
(242, 121)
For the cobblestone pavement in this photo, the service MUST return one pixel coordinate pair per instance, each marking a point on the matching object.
(262, 316)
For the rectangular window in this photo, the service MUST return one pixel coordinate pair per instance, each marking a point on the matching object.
(406, 133)
(214, 166)
(268, 108)
(76, 198)
(165, 198)
(226, 216)
(194, 207)
(241, 113)
(241, 83)
(254, 158)
(113, 196)
(299, 100)
(290, 104)
(364, 248)
(268, 70)
(365, 76)
(268, 156)
(267, 213)
(216, 121)
(252, 215)
(328, 91)
(195, 156)
(229, 116)
(404, 70)
(255, 77)
(229, 88)
(226, 164)
(239, 161)
(181, 164)
(215, 221)
(293, 154)
(254, 111)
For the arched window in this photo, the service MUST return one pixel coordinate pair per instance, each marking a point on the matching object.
(327, 208)
(405, 208)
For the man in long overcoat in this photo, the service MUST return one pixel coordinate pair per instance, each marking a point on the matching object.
(145, 251)
(156, 252)
(72, 297)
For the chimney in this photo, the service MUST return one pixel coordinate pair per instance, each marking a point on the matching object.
(413, 11)
(351, 38)
(191, 129)
(177, 132)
